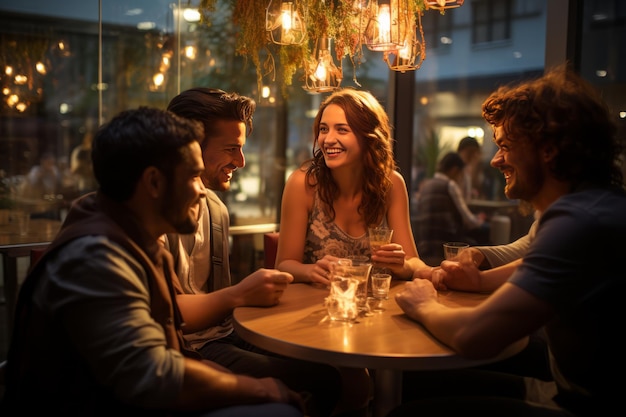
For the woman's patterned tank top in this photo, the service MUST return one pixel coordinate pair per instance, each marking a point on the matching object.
(324, 237)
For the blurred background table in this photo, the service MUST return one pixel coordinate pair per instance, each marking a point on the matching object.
(519, 223)
(491, 206)
(14, 245)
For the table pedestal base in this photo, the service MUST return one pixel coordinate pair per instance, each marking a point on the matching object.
(387, 391)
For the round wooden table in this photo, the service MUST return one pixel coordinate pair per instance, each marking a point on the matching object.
(387, 341)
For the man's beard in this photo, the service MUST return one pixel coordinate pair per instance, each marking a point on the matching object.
(182, 224)
(216, 185)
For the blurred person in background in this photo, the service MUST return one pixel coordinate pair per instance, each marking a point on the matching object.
(81, 167)
(471, 181)
(442, 212)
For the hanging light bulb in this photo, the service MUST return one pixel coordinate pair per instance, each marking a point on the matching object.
(412, 53)
(384, 23)
(322, 75)
(442, 5)
(320, 71)
(387, 25)
(285, 24)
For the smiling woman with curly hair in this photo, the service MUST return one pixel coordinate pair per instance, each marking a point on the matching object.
(351, 183)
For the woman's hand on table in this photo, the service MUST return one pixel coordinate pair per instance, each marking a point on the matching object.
(392, 257)
(320, 272)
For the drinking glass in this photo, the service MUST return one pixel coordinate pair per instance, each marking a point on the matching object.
(452, 249)
(338, 269)
(379, 236)
(380, 286)
(360, 270)
(341, 302)
(381, 282)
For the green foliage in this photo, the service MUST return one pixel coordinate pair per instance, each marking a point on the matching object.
(429, 151)
(332, 19)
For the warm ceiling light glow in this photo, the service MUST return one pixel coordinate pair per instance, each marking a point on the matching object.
(322, 75)
(320, 72)
(476, 132)
(265, 91)
(284, 23)
(285, 18)
(158, 79)
(41, 68)
(12, 100)
(388, 25)
(405, 51)
(190, 52)
(384, 20)
(165, 62)
(191, 15)
(20, 79)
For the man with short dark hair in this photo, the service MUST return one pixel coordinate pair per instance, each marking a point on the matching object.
(97, 331)
(202, 259)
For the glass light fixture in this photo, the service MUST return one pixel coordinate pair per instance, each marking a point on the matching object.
(321, 74)
(412, 53)
(387, 26)
(284, 22)
(442, 5)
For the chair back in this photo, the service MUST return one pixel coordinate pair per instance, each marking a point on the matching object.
(270, 247)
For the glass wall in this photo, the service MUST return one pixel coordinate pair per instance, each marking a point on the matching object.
(68, 66)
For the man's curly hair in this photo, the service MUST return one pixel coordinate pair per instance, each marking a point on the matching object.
(562, 110)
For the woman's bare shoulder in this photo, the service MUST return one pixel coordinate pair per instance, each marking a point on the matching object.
(297, 185)
(397, 178)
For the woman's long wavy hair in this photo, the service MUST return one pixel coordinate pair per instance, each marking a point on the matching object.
(369, 122)
(564, 111)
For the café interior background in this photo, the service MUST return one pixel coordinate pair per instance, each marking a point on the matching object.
(100, 57)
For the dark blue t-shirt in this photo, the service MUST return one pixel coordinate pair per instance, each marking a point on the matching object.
(575, 263)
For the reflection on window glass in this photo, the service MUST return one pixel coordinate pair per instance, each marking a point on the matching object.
(56, 90)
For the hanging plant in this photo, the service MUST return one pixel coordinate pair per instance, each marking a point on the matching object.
(334, 19)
